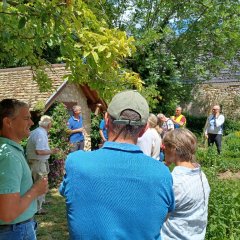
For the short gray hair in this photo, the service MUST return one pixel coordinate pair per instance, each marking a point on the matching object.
(127, 130)
(183, 141)
(45, 121)
(76, 107)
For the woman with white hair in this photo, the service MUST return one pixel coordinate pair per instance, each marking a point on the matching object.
(191, 189)
(150, 141)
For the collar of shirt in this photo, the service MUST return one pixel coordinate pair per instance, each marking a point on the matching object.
(122, 146)
(185, 170)
(10, 142)
(43, 130)
(76, 119)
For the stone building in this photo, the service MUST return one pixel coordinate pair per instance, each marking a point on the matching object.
(223, 90)
(18, 83)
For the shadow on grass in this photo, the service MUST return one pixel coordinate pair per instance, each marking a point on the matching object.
(53, 225)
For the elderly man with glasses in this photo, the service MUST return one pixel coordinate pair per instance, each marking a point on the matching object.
(214, 128)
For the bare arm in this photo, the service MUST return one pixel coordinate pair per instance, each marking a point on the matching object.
(12, 204)
(76, 130)
(219, 120)
(46, 152)
(102, 135)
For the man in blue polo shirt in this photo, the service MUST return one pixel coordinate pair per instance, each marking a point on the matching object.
(75, 125)
(117, 192)
(103, 130)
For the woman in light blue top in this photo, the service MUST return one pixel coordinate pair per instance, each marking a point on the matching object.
(189, 219)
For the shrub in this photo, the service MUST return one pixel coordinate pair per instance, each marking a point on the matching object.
(195, 124)
(95, 136)
(58, 139)
(231, 126)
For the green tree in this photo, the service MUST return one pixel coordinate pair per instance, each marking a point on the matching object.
(71, 31)
(178, 41)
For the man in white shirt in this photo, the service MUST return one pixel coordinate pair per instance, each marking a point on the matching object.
(214, 128)
(38, 153)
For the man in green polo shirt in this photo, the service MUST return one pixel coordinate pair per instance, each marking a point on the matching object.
(17, 192)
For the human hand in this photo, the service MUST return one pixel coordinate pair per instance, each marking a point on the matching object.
(55, 150)
(81, 129)
(41, 186)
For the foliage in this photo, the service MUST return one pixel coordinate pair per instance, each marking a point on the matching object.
(224, 202)
(195, 124)
(39, 106)
(224, 208)
(208, 157)
(231, 125)
(178, 41)
(95, 136)
(58, 139)
(229, 158)
(34, 32)
(232, 145)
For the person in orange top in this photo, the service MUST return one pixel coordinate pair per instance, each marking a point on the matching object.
(179, 120)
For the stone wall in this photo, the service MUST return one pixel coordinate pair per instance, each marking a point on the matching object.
(227, 95)
(73, 93)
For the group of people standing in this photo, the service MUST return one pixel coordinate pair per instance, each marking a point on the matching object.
(157, 126)
(115, 192)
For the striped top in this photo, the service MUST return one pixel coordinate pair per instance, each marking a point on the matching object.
(189, 220)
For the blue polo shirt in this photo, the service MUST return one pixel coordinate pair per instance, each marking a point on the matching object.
(102, 126)
(74, 123)
(116, 192)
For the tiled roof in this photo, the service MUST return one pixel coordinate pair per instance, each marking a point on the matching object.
(228, 75)
(18, 83)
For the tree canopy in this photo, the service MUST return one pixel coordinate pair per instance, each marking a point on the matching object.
(175, 42)
(70, 31)
(178, 41)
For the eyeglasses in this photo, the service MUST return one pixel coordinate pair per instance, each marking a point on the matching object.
(215, 109)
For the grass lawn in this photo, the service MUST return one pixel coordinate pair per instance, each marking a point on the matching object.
(53, 225)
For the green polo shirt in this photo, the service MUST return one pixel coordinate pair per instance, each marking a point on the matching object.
(15, 175)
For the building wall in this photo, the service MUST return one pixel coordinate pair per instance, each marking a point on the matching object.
(227, 95)
(73, 93)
